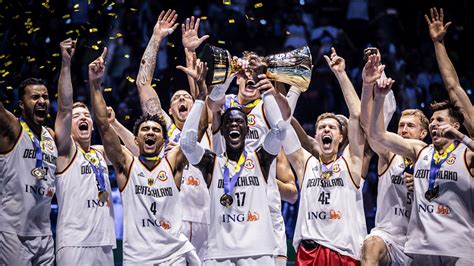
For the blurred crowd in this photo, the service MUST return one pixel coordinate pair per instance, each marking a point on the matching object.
(30, 33)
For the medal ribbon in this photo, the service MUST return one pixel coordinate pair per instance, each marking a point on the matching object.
(229, 185)
(408, 166)
(38, 145)
(324, 167)
(171, 129)
(233, 102)
(98, 171)
(436, 161)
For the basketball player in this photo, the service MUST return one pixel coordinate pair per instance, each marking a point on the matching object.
(28, 157)
(458, 96)
(240, 230)
(384, 245)
(85, 229)
(280, 185)
(440, 230)
(149, 185)
(330, 227)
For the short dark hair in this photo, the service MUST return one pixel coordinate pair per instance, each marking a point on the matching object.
(453, 110)
(28, 82)
(230, 109)
(156, 118)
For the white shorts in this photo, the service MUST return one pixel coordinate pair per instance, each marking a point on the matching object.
(36, 250)
(395, 251)
(188, 258)
(197, 234)
(247, 261)
(9, 246)
(102, 255)
(431, 260)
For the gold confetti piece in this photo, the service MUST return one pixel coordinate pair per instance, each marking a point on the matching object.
(221, 42)
(66, 16)
(2, 56)
(69, 32)
(99, 42)
(76, 10)
(8, 63)
(107, 89)
(95, 47)
(46, 5)
(2, 71)
(93, 30)
(9, 88)
(36, 29)
(16, 17)
(118, 35)
(41, 67)
(130, 79)
(170, 44)
(133, 9)
(112, 15)
(127, 117)
(31, 59)
(24, 44)
(52, 69)
(88, 2)
(5, 74)
(288, 33)
(257, 5)
(153, 85)
(76, 6)
(231, 20)
(203, 18)
(55, 95)
(126, 56)
(49, 116)
(56, 55)
(227, 2)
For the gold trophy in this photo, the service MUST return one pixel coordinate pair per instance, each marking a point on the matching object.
(293, 68)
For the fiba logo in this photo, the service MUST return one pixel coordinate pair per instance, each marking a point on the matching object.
(162, 176)
(451, 160)
(336, 168)
(48, 144)
(249, 164)
(251, 119)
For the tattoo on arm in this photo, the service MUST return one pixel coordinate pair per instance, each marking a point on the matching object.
(152, 106)
(147, 64)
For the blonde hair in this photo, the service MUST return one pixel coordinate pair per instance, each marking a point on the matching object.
(419, 114)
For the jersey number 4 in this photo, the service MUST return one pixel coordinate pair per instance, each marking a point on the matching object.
(153, 208)
(324, 197)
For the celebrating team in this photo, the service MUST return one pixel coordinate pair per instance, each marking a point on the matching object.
(197, 188)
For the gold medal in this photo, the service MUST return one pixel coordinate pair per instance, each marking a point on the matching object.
(226, 200)
(326, 174)
(103, 196)
(432, 194)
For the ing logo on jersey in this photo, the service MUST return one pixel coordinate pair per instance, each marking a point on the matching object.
(162, 176)
(48, 144)
(335, 215)
(151, 181)
(451, 160)
(165, 224)
(249, 164)
(252, 216)
(336, 168)
(192, 181)
(251, 120)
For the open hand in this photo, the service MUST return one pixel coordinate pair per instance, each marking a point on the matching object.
(436, 24)
(189, 36)
(166, 23)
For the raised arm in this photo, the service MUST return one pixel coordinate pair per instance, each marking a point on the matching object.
(148, 97)
(124, 134)
(438, 30)
(120, 159)
(10, 130)
(355, 133)
(408, 148)
(297, 156)
(285, 179)
(191, 42)
(63, 122)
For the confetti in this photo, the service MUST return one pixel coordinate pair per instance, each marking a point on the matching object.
(153, 85)
(76, 6)
(127, 117)
(69, 32)
(9, 88)
(130, 79)
(133, 9)
(126, 56)
(2, 56)
(107, 89)
(203, 18)
(5, 74)
(66, 16)
(30, 59)
(221, 42)
(95, 47)
(231, 21)
(41, 67)
(118, 35)
(170, 44)
(257, 5)
(8, 63)
(56, 55)
(227, 2)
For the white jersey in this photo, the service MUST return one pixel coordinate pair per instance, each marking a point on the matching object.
(152, 215)
(331, 210)
(393, 202)
(245, 228)
(83, 220)
(443, 226)
(258, 129)
(25, 199)
(194, 193)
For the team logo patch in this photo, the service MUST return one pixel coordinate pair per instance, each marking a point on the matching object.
(252, 216)
(48, 144)
(192, 181)
(162, 176)
(451, 160)
(165, 224)
(249, 164)
(251, 119)
(151, 181)
(335, 215)
(336, 168)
